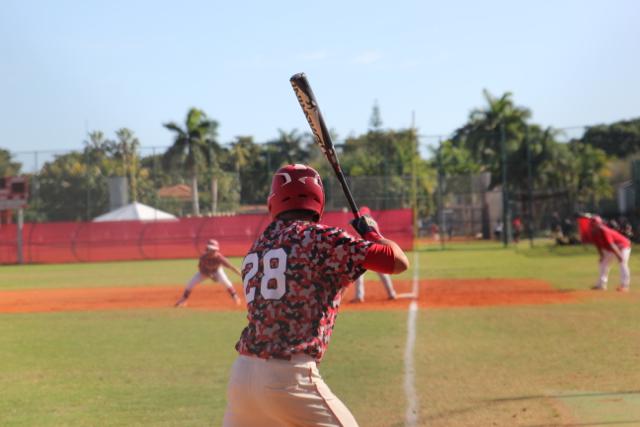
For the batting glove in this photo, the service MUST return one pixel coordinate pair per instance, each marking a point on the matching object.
(367, 227)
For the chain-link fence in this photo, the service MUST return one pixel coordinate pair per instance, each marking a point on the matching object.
(82, 185)
(467, 207)
(375, 192)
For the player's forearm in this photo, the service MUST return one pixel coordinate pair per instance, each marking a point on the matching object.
(400, 260)
(617, 252)
(227, 264)
(234, 269)
(368, 229)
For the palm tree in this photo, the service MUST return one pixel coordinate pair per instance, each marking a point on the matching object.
(241, 151)
(481, 134)
(290, 146)
(126, 148)
(192, 148)
(7, 166)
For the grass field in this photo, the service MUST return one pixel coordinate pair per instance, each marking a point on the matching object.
(532, 365)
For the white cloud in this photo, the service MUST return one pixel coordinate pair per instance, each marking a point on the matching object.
(409, 64)
(368, 57)
(318, 55)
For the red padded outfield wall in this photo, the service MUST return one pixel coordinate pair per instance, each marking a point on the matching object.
(186, 238)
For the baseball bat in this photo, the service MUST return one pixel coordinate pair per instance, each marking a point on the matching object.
(321, 135)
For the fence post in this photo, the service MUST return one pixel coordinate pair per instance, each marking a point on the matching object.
(19, 231)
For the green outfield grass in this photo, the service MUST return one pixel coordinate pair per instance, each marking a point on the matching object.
(516, 365)
(96, 275)
(543, 365)
(565, 267)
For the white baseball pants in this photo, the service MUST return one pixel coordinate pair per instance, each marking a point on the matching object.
(282, 393)
(605, 266)
(384, 278)
(219, 276)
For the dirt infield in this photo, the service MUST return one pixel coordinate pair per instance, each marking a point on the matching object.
(432, 293)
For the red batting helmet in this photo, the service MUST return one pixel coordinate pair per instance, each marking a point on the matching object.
(296, 187)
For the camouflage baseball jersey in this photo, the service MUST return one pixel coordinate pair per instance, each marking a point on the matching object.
(210, 262)
(293, 279)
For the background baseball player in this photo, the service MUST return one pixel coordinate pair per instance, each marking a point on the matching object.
(384, 278)
(611, 246)
(210, 266)
(386, 281)
(294, 277)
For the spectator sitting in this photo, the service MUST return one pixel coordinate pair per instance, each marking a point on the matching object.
(497, 231)
(614, 224)
(556, 229)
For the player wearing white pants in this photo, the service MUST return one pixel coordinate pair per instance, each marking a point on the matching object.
(210, 266)
(611, 246)
(386, 281)
(218, 276)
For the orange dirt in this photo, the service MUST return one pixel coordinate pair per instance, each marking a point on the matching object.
(432, 293)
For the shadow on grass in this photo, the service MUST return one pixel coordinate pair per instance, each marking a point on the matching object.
(565, 396)
(448, 414)
(540, 250)
(596, 424)
(496, 402)
(556, 250)
(462, 247)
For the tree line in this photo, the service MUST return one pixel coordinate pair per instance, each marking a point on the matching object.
(221, 177)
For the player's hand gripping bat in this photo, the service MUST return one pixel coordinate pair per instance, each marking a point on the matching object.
(311, 110)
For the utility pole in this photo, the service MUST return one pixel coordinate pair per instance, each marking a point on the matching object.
(529, 187)
(440, 196)
(414, 176)
(88, 183)
(506, 224)
(214, 180)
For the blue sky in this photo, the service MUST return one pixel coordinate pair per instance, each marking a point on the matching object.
(71, 66)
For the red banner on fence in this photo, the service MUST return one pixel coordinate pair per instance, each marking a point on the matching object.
(186, 238)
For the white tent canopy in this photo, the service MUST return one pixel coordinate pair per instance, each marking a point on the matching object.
(135, 212)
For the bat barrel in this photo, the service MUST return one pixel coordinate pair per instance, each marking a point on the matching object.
(309, 105)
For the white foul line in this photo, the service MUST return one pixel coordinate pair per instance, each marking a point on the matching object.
(411, 414)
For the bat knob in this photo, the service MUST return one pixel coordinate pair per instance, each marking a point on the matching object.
(298, 76)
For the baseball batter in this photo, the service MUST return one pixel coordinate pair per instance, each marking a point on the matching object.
(294, 277)
(611, 245)
(210, 266)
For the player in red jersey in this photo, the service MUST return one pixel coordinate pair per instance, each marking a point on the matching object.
(210, 266)
(611, 245)
(294, 277)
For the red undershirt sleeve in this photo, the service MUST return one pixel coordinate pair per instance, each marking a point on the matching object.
(379, 258)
